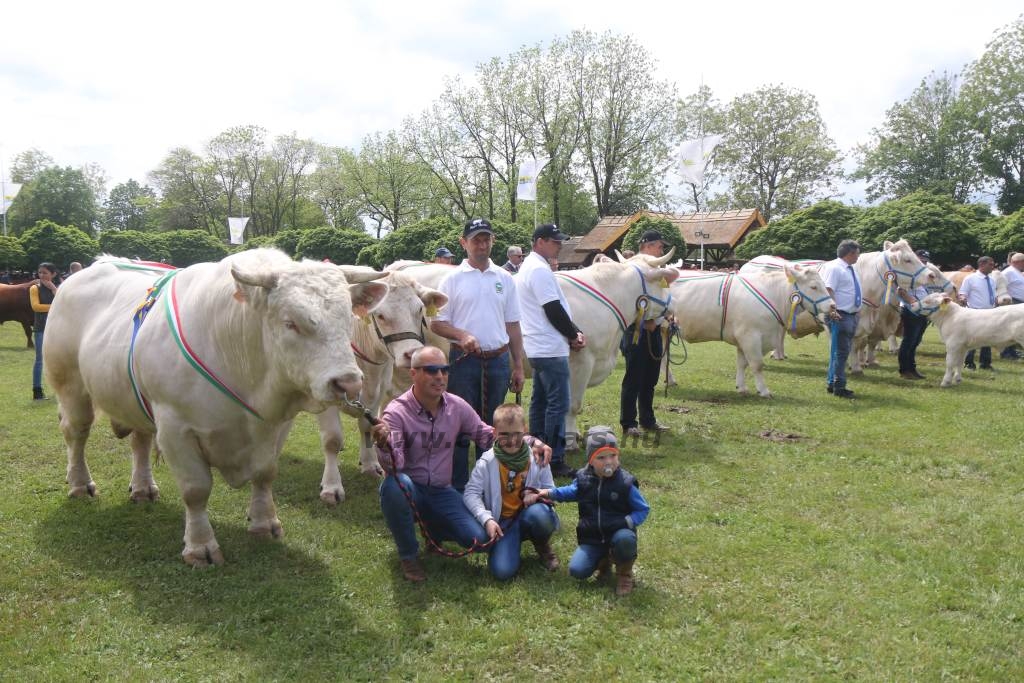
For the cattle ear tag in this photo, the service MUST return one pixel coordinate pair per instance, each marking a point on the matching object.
(366, 319)
(944, 303)
(663, 282)
(790, 278)
(431, 311)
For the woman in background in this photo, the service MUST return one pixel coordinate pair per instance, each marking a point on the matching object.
(41, 296)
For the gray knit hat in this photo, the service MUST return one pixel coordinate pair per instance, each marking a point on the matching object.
(598, 437)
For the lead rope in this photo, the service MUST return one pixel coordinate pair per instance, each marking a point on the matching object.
(433, 545)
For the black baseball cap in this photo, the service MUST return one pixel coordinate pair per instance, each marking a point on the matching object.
(475, 226)
(549, 231)
(651, 236)
(443, 252)
(923, 253)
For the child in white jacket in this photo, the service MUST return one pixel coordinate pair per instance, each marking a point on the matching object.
(494, 495)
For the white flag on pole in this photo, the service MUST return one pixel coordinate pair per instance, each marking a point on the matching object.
(10, 192)
(236, 226)
(528, 172)
(693, 157)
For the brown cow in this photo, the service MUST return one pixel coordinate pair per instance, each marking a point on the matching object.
(14, 305)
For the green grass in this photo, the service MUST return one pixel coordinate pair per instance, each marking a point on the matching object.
(883, 544)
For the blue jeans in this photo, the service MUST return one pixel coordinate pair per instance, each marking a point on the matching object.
(535, 523)
(37, 369)
(441, 508)
(550, 403)
(467, 381)
(842, 331)
(586, 558)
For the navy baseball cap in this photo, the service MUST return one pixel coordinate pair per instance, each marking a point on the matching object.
(549, 231)
(443, 252)
(475, 226)
(651, 236)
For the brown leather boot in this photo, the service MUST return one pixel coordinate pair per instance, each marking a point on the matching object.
(547, 555)
(604, 568)
(413, 571)
(624, 576)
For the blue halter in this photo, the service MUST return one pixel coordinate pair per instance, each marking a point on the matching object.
(889, 269)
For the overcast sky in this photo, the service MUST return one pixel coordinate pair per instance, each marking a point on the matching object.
(122, 83)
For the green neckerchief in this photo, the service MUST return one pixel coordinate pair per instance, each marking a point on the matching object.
(516, 462)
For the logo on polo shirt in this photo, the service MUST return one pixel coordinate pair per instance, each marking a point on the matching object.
(498, 287)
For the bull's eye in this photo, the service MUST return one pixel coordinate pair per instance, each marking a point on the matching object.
(291, 326)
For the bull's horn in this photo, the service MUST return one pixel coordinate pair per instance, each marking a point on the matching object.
(264, 279)
(361, 273)
(618, 255)
(662, 260)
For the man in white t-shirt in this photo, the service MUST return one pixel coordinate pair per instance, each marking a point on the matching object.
(548, 335)
(482, 321)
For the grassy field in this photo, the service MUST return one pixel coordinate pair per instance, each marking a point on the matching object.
(801, 537)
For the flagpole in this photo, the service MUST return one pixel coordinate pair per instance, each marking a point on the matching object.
(3, 190)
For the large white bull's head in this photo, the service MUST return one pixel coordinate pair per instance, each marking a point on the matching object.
(906, 267)
(658, 278)
(306, 313)
(811, 290)
(399, 322)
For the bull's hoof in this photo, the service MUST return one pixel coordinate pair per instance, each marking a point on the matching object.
(144, 494)
(332, 496)
(765, 394)
(742, 390)
(83, 490)
(874, 364)
(268, 528)
(203, 555)
(372, 468)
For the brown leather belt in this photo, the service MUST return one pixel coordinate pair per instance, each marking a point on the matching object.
(485, 355)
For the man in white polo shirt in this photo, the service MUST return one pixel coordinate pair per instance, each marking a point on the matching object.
(548, 334)
(482, 321)
(844, 287)
(1014, 274)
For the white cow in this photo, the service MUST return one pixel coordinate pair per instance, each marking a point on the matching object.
(962, 329)
(748, 311)
(603, 299)
(383, 342)
(879, 273)
(229, 354)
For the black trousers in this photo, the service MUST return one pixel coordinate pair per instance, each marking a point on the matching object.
(643, 365)
(913, 332)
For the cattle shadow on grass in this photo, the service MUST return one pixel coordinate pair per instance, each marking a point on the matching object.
(271, 602)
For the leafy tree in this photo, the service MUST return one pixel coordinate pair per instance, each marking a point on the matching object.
(128, 207)
(670, 232)
(332, 190)
(284, 179)
(1005, 234)
(189, 192)
(390, 179)
(27, 165)
(147, 246)
(811, 233)
(60, 195)
(12, 256)
(948, 230)
(47, 241)
(340, 246)
(697, 116)
(288, 241)
(627, 120)
(188, 247)
(263, 241)
(994, 95)
(926, 144)
(776, 154)
(411, 241)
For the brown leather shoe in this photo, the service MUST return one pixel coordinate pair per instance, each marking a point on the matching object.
(547, 556)
(624, 578)
(909, 375)
(413, 571)
(604, 568)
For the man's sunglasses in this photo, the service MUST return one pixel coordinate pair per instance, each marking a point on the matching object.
(434, 369)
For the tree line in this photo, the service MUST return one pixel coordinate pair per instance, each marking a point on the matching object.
(592, 105)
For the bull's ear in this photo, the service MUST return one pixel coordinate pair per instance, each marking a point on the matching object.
(790, 272)
(432, 300)
(366, 296)
(669, 275)
(603, 258)
(255, 278)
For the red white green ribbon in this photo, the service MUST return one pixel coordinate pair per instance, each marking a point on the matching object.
(593, 292)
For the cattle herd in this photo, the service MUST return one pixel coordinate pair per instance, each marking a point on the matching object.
(212, 363)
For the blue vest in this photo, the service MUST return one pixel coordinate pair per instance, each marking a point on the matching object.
(603, 503)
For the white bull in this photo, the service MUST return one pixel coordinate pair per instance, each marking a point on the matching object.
(879, 273)
(748, 311)
(963, 328)
(230, 353)
(603, 300)
(383, 342)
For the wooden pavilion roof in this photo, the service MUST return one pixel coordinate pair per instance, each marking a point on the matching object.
(719, 228)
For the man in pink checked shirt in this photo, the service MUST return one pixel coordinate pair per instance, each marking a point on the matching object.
(415, 443)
